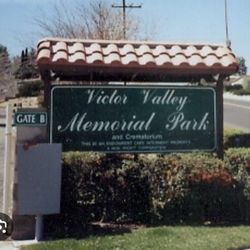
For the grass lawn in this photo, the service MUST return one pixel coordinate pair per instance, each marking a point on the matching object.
(158, 238)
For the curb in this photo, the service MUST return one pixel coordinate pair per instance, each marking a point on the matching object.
(243, 98)
(15, 245)
(7, 245)
(19, 243)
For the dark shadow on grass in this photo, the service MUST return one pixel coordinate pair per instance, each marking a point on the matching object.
(92, 229)
(82, 231)
(211, 224)
(240, 248)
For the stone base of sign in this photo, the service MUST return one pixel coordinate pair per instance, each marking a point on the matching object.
(24, 227)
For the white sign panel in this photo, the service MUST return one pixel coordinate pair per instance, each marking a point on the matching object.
(39, 179)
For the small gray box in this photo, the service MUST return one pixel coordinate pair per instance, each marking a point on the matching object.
(39, 179)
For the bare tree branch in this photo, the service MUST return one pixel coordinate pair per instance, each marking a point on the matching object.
(95, 20)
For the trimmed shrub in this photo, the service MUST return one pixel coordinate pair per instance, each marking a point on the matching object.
(239, 162)
(241, 91)
(162, 189)
(236, 138)
(96, 187)
(246, 84)
(233, 88)
(197, 188)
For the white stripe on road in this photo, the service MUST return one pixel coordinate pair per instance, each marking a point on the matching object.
(237, 105)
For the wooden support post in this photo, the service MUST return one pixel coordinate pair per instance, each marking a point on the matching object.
(47, 83)
(46, 78)
(220, 116)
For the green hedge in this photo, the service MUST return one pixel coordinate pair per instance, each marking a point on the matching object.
(241, 92)
(150, 189)
(199, 188)
(239, 162)
(233, 88)
(236, 138)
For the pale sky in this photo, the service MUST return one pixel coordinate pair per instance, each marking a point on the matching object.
(175, 20)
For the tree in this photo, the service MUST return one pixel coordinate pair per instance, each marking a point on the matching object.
(4, 62)
(93, 20)
(6, 80)
(27, 68)
(242, 66)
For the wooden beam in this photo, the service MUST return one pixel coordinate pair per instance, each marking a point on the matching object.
(135, 77)
(220, 116)
(46, 78)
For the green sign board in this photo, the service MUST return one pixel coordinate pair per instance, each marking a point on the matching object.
(133, 119)
(35, 118)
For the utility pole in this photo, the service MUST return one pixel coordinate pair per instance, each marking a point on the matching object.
(228, 42)
(124, 6)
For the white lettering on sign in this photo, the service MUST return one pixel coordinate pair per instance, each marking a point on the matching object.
(42, 118)
(26, 118)
(100, 97)
(168, 98)
(177, 120)
(31, 118)
(80, 123)
(136, 118)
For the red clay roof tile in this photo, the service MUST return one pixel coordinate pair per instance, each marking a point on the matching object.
(126, 49)
(206, 50)
(143, 49)
(44, 55)
(43, 45)
(190, 50)
(175, 50)
(95, 57)
(129, 58)
(110, 49)
(111, 58)
(226, 60)
(77, 57)
(146, 59)
(163, 59)
(60, 46)
(195, 58)
(76, 47)
(60, 56)
(223, 51)
(211, 60)
(159, 50)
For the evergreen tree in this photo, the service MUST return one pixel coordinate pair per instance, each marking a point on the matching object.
(242, 66)
(7, 85)
(4, 62)
(27, 68)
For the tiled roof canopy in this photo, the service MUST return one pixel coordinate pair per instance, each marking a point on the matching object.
(71, 58)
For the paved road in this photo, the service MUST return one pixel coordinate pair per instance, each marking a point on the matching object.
(237, 114)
